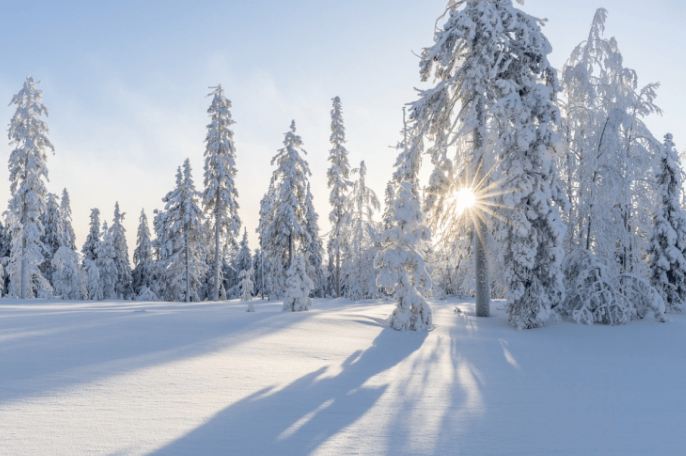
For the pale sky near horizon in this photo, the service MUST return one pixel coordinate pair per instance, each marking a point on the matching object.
(126, 82)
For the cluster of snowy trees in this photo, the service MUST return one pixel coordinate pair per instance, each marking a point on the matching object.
(579, 208)
(579, 205)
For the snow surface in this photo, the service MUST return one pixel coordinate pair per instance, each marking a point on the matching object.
(210, 378)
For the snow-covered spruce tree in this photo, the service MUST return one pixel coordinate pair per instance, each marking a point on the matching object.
(69, 279)
(402, 270)
(106, 262)
(285, 229)
(314, 250)
(68, 236)
(93, 238)
(220, 197)
(668, 240)
(52, 237)
(123, 288)
(339, 183)
(183, 263)
(359, 275)
(525, 113)
(143, 275)
(28, 173)
(299, 286)
(242, 261)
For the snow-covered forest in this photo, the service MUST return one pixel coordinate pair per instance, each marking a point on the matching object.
(494, 266)
(547, 189)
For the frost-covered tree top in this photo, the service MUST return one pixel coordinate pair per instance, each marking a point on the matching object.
(67, 229)
(220, 197)
(338, 173)
(28, 134)
(93, 237)
(143, 252)
(290, 179)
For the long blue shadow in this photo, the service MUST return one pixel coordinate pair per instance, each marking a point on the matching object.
(297, 419)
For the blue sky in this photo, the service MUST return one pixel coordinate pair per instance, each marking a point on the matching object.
(126, 81)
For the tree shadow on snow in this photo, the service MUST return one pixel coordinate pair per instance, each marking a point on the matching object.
(78, 346)
(297, 419)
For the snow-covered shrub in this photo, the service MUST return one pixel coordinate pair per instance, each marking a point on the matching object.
(299, 285)
(595, 296)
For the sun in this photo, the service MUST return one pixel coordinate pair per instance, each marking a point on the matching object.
(464, 199)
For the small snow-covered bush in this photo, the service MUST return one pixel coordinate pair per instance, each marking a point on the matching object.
(594, 295)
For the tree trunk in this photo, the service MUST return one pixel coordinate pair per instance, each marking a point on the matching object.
(215, 296)
(483, 286)
(483, 291)
(188, 281)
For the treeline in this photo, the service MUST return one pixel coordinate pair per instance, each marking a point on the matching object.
(578, 205)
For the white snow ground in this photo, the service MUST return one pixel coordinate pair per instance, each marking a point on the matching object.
(160, 378)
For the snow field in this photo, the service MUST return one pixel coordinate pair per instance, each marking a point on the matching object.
(209, 378)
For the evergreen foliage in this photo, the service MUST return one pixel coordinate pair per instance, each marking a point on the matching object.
(28, 173)
(220, 197)
(668, 240)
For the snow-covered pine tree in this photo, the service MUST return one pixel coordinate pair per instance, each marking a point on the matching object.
(339, 183)
(265, 237)
(298, 287)
(220, 197)
(123, 288)
(184, 234)
(314, 250)
(107, 263)
(52, 237)
(284, 231)
(359, 275)
(525, 114)
(69, 279)
(402, 270)
(28, 173)
(93, 238)
(668, 240)
(68, 236)
(143, 275)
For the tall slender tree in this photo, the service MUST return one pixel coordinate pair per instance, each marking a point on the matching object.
(339, 183)
(67, 230)
(183, 261)
(106, 262)
(143, 272)
(123, 288)
(358, 266)
(285, 227)
(28, 173)
(220, 197)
